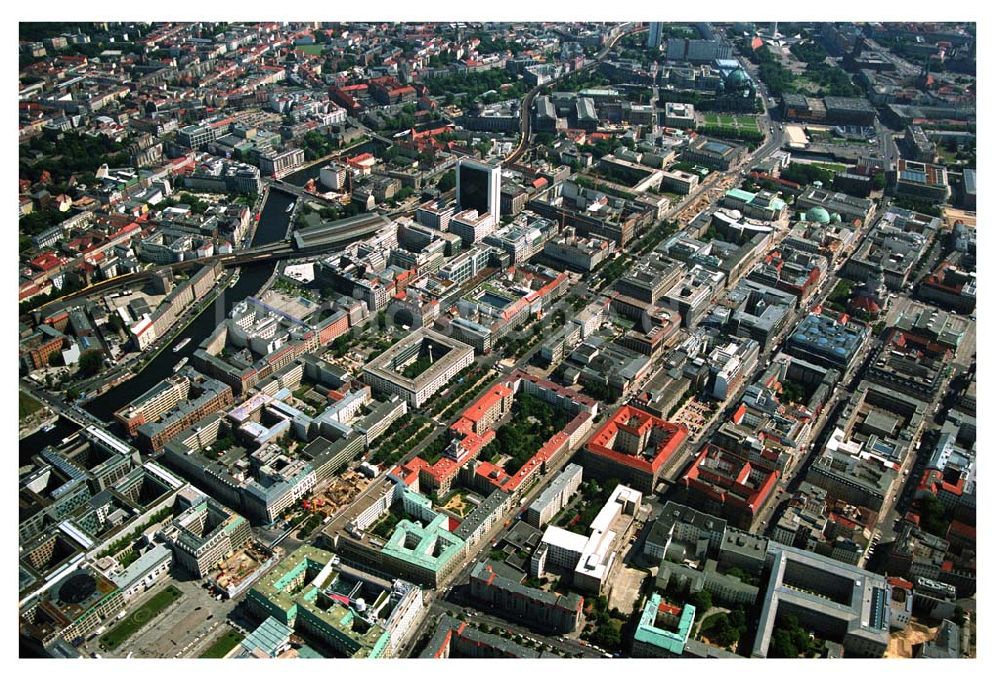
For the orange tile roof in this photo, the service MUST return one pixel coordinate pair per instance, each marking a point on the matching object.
(899, 582)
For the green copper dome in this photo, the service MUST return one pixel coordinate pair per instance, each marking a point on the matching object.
(737, 79)
(818, 215)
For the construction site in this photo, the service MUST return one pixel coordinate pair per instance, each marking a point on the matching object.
(693, 415)
(241, 568)
(707, 198)
(340, 492)
(903, 642)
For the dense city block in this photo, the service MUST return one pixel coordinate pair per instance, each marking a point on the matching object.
(497, 339)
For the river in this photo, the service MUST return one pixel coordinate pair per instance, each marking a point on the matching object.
(300, 177)
(272, 227)
(33, 444)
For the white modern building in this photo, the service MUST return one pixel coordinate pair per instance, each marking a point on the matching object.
(592, 559)
(555, 496)
(730, 364)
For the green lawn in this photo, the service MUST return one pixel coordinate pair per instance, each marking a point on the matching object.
(417, 367)
(311, 49)
(734, 121)
(804, 82)
(686, 166)
(831, 166)
(223, 645)
(947, 157)
(450, 495)
(132, 623)
(26, 405)
(717, 119)
(387, 524)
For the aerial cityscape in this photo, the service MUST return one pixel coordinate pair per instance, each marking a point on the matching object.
(497, 339)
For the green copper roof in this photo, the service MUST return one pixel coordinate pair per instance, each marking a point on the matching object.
(672, 641)
(430, 547)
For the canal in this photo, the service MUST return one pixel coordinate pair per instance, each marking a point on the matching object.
(272, 227)
(33, 444)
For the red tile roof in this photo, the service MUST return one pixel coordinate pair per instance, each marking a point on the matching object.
(46, 261)
(637, 423)
(726, 478)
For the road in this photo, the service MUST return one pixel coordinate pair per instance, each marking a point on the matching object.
(887, 144)
(76, 414)
(680, 461)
